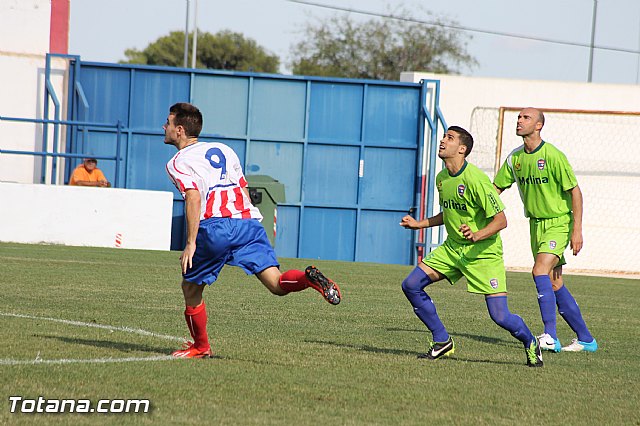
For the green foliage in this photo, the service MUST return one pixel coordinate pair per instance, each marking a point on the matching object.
(378, 48)
(224, 50)
(297, 360)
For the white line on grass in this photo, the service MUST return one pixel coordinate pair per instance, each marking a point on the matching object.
(84, 361)
(104, 327)
(89, 361)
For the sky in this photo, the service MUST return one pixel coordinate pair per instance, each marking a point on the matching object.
(102, 30)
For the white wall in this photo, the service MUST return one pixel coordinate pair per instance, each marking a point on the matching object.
(85, 216)
(57, 214)
(25, 26)
(24, 42)
(460, 95)
(612, 240)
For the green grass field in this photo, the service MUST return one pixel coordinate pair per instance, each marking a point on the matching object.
(297, 359)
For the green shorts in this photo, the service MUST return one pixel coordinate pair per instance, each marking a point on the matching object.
(480, 263)
(551, 236)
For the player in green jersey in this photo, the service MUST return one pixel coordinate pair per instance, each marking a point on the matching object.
(473, 215)
(553, 203)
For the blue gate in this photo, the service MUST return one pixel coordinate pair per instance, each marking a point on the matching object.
(348, 151)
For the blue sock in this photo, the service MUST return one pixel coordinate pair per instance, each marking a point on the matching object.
(413, 287)
(514, 324)
(570, 311)
(547, 303)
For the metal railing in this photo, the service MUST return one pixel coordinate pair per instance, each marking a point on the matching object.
(433, 115)
(54, 153)
(50, 96)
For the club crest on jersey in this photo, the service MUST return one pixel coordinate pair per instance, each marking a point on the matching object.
(439, 185)
(494, 283)
(517, 167)
(541, 163)
(461, 189)
(552, 245)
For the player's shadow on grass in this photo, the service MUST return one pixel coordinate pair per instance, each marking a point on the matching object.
(368, 348)
(108, 344)
(364, 348)
(483, 339)
(490, 340)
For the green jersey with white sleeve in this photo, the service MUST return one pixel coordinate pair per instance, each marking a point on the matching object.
(544, 177)
(468, 198)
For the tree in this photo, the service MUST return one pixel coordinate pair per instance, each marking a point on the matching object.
(224, 50)
(378, 48)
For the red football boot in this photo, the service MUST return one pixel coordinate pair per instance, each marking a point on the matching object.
(329, 290)
(190, 351)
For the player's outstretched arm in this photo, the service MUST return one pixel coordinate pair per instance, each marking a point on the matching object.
(576, 207)
(409, 222)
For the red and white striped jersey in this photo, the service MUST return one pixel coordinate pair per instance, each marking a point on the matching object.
(214, 170)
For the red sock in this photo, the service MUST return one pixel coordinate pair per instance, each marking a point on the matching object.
(197, 322)
(293, 280)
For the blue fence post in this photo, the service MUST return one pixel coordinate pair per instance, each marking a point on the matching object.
(45, 128)
(433, 117)
(118, 159)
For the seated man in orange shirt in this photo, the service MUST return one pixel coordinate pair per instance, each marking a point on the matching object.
(88, 174)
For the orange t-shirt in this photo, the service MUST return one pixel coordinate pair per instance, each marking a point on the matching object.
(80, 173)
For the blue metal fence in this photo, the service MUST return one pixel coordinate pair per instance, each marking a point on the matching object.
(349, 152)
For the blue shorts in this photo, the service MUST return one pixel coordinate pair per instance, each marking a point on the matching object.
(226, 241)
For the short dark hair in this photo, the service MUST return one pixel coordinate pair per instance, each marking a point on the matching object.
(465, 138)
(188, 116)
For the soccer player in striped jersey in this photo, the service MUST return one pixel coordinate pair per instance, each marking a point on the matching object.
(553, 203)
(473, 216)
(223, 227)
